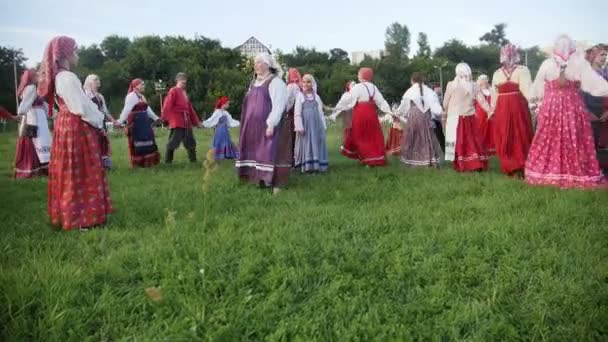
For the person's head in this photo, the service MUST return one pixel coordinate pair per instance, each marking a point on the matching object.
(366, 74)
(597, 55)
(60, 53)
(483, 81)
(308, 84)
(222, 103)
(563, 48)
(138, 86)
(463, 72)
(509, 56)
(417, 77)
(29, 76)
(349, 86)
(181, 80)
(294, 77)
(92, 83)
(265, 64)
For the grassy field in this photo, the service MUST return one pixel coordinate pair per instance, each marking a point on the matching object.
(357, 254)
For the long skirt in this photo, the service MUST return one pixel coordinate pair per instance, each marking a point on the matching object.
(143, 151)
(222, 144)
(464, 146)
(27, 164)
(420, 146)
(365, 142)
(563, 152)
(393, 143)
(284, 154)
(78, 192)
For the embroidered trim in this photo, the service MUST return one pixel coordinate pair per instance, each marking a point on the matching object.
(143, 143)
(420, 163)
(256, 165)
(554, 176)
(42, 167)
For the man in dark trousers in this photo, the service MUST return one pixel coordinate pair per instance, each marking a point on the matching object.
(181, 118)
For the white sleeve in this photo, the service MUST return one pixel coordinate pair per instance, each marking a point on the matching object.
(592, 82)
(292, 92)
(347, 102)
(435, 105)
(69, 88)
(297, 116)
(151, 114)
(130, 101)
(27, 99)
(321, 114)
(525, 81)
(278, 97)
(214, 119)
(537, 91)
(404, 106)
(381, 102)
(232, 122)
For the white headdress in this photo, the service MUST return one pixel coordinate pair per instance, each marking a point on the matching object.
(563, 49)
(88, 83)
(271, 62)
(464, 77)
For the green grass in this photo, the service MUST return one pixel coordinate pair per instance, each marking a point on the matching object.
(356, 254)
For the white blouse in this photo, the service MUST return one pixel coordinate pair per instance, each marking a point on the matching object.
(300, 98)
(292, 91)
(359, 93)
(578, 69)
(412, 95)
(69, 88)
(25, 107)
(131, 101)
(217, 115)
(278, 97)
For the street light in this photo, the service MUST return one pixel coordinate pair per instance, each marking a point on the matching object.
(440, 67)
(160, 88)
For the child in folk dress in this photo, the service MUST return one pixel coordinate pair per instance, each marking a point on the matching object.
(222, 121)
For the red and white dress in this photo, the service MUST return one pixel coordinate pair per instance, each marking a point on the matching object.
(365, 141)
(563, 152)
(34, 143)
(78, 195)
(512, 120)
(484, 122)
(463, 141)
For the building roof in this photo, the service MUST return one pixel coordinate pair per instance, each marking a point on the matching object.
(253, 40)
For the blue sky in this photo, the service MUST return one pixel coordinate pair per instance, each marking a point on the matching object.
(324, 24)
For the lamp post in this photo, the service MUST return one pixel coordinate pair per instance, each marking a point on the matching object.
(160, 88)
(440, 67)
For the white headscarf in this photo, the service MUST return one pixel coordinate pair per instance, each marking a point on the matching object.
(314, 82)
(481, 78)
(464, 77)
(563, 49)
(88, 84)
(271, 62)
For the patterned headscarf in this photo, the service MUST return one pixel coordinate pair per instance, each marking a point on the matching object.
(563, 49)
(27, 78)
(134, 84)
(366, 74)
(58, 48)
(293, 76)
(509, 56)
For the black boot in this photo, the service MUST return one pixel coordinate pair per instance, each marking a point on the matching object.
(192, 155)
(169, 157)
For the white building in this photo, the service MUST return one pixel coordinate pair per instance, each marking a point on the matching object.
(356, 57)
(251, 47)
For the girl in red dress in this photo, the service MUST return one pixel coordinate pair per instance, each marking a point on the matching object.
(365, 142)
(484, 122)
(79, 195)
(512, 120)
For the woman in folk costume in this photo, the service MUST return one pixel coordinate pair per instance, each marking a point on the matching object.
(365, 141)
(79, 195)
(562, 153)
(347, 115)
(598, 106)
(91, 88)
(294, 86)
(481, 115)
(311, 147)
(420, 146)
(512, 120)
(463, 142)
(34, 144)
(263, 108)
(222, 120)
(143, 151)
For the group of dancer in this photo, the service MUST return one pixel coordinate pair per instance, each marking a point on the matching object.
(283, 126)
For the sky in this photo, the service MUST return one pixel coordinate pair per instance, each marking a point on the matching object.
(354, 25)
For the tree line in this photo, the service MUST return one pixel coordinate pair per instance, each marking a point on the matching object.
(216, 70)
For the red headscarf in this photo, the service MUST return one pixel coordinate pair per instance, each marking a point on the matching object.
(221, 101)
(58, 48)
(27, 78)
(293, 76)
(366, 74)
(136, 82)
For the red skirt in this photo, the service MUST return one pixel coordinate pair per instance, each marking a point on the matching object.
(393, 144)
(78, 195)
(365, 140)
(485, 127)
(470, 151)
(27, 164)
(512, 129)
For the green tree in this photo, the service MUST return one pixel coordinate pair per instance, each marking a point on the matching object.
(397, 41)
(115, 47)
(7, 81)
(424, 50)
(338, 56)
(497, 36)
